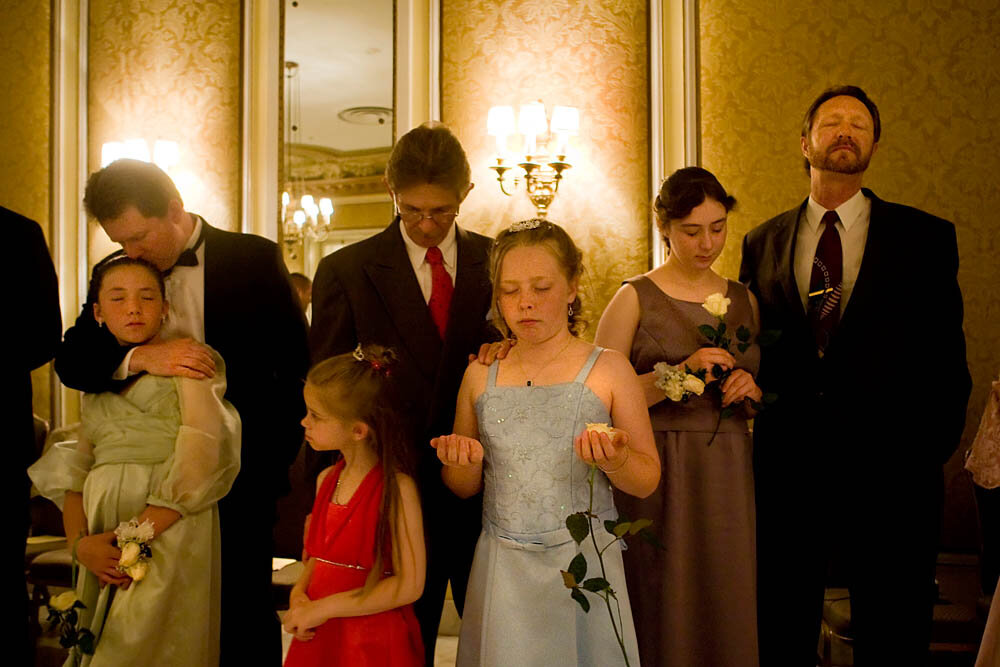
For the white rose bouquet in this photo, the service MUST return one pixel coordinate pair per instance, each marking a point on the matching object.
(133, 540)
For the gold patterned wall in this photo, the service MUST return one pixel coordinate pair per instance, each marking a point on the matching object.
(930, 67)
(24, 128)
(170, 69)
(590, 54)
(24, 114)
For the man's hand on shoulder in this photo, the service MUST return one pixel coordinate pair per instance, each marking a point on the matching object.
(183, 357)
(489, 352)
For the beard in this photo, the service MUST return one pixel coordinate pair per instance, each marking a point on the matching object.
(838, 161)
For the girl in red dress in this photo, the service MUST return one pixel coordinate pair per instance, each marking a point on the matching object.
(365, 545)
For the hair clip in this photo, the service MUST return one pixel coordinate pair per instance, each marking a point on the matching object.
(525, 225)
(358, 354)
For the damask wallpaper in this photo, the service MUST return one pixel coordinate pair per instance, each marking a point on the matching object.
(930, 67)
(170, 69)
(24, 129)
(590, 54)
(24, 114)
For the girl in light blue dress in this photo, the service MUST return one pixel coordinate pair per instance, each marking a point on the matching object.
(528, 428)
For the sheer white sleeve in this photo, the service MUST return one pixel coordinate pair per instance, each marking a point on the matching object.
(64, 466)
(206, 455)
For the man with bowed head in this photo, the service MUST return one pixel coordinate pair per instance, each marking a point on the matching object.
(229, 291)
(422, 288)
(848, 461)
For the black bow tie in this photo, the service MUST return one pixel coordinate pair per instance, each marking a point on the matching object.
(189, 257)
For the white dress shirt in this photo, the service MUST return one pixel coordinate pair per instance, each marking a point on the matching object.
(855, 215)
(418, 258)
(186, 298)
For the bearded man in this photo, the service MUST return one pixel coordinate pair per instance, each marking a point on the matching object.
(872, 386)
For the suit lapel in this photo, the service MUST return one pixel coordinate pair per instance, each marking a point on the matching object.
(468, 292)
(392, 275)
(212, 269)
(878, 245)
(784, 258)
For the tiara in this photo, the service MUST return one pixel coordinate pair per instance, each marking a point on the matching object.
(525, 225)
(358, 354)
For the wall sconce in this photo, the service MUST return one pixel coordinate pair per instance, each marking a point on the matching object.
(165, 153)
(544, 148)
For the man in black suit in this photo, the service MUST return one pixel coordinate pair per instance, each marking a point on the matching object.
(392, 290)
(232, 292)
(34, 327)
(872, 387)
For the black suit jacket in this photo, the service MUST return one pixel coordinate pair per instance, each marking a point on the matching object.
(32, 332)
(33, 329)
(253, 321)
(894, 381)
(368, 293)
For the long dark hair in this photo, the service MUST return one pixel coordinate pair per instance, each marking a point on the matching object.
(361, 386)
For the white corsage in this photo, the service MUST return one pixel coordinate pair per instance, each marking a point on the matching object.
(676, 383)
(133, 540)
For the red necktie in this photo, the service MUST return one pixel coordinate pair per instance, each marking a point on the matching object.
(826, 283)
(441, 289)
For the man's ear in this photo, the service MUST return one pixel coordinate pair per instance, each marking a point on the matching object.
(175, 210)
(804, 145)
(388, 188)
(466, 193)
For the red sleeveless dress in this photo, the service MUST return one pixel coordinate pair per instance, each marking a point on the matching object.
(341, 539)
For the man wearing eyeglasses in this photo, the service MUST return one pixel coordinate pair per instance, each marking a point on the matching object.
(422, 288)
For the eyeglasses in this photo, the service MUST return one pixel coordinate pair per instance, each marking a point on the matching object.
(411, 216)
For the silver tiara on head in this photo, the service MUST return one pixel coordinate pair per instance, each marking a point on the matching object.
(525, 225)
(358, 354)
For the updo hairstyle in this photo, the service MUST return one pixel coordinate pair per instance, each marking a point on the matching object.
(562, 247)
(684, 190)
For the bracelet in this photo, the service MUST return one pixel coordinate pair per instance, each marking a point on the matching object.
(628, 452)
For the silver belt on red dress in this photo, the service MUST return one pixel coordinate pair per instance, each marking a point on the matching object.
(352, 567)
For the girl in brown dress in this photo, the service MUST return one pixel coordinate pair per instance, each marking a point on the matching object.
(695, 602)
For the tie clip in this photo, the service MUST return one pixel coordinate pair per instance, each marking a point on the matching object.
(818, 292)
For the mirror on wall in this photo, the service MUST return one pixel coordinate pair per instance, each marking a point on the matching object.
(338, 125)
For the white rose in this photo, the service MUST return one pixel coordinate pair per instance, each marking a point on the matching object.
(63, 601)
(130, 554)
(138, 571)
(693, 384)
(674, 389)
(716, 304)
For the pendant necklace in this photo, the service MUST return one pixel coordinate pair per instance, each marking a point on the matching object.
(336, 489)
(545, 365)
